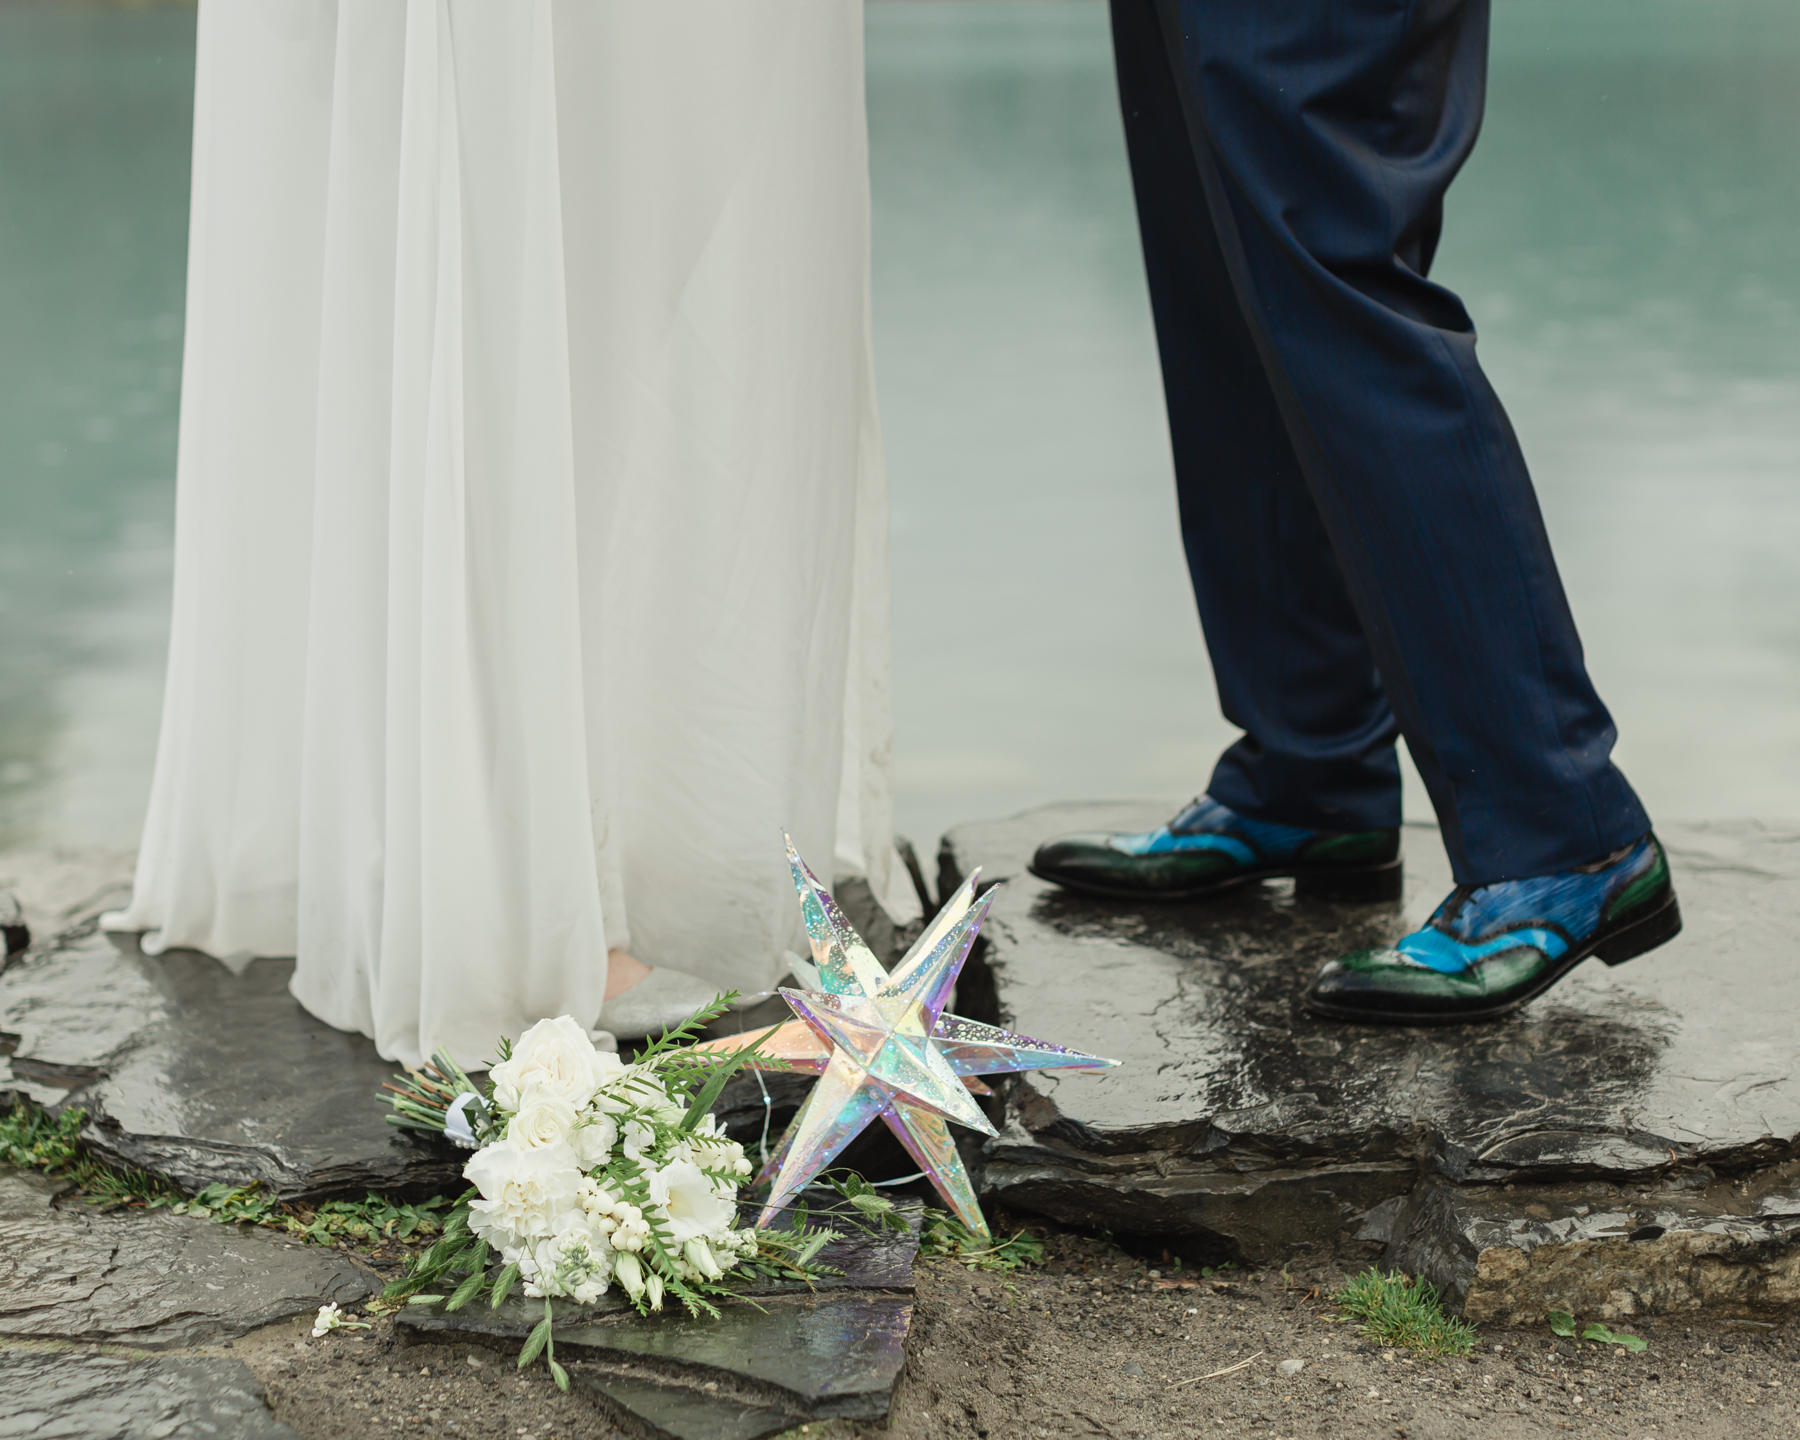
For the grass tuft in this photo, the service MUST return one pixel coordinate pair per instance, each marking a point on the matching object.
(1403, 1312)
(34, 1139)
(952, 1240)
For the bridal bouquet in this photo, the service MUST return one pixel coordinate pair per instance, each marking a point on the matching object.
(589, 1171)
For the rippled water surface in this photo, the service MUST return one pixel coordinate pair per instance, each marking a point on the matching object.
(1627, 236)
(95, 120)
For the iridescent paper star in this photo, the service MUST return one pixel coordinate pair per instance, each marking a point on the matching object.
(883, 1046)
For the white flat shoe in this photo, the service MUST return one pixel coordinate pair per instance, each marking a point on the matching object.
(661, 999)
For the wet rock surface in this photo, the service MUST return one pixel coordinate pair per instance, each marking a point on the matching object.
(1238, 1127)
(205, 1072)
(801, 1359)
(81, 1395)
(154, 1281)
(201, 1074)
(60, 891)
(1243, 1126)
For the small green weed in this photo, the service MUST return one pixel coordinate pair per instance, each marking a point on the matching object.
(876, 1211)
(33, 1139)
(365, 1221)
(244, 1205)
(1396, 1310)
(863, 1206)
(109, 1188)
(952, 1240)
(1564, 1324)
(372, 1218)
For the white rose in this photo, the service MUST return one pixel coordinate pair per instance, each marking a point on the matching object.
(689, 1201)
(544, 1121)
(593, 1140)
(521, 1190)
(557, 1056)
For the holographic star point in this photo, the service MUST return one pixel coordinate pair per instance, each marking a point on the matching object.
(884, 1047)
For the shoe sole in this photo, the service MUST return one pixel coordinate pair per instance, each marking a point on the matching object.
(1363, 886)
(1641, 936)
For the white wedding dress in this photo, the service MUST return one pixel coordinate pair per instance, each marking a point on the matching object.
(531, 551)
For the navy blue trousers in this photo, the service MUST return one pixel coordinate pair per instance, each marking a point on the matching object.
(1367, 552)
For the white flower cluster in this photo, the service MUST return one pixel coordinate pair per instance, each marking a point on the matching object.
(599, 1178)
(331, 1318)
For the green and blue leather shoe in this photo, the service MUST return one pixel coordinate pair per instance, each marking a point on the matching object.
(1489, 948)
(1208, 848)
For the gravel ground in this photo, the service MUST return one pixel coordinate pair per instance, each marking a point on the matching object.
(340, 1387)
(1096, 1343)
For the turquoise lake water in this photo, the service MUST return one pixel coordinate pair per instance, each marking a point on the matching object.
(1627, 238)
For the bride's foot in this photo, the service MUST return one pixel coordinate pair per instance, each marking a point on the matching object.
(645, 1000)
(622, 972)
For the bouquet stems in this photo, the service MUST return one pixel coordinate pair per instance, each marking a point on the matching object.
(423, 1097)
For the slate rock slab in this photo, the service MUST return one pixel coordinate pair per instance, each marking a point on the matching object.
(798, 1360)
(751, 1372)
(1509, 1256)
(154, 1281)
(59, 891)
(833, 1351)
(194, 1072)
(662, 1408)
(75, 1395)
(1241, 1122)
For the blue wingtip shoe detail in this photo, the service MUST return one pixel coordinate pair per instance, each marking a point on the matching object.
(1164, 841)
(1209, 847)
(1489, 948)
(1437, 951)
